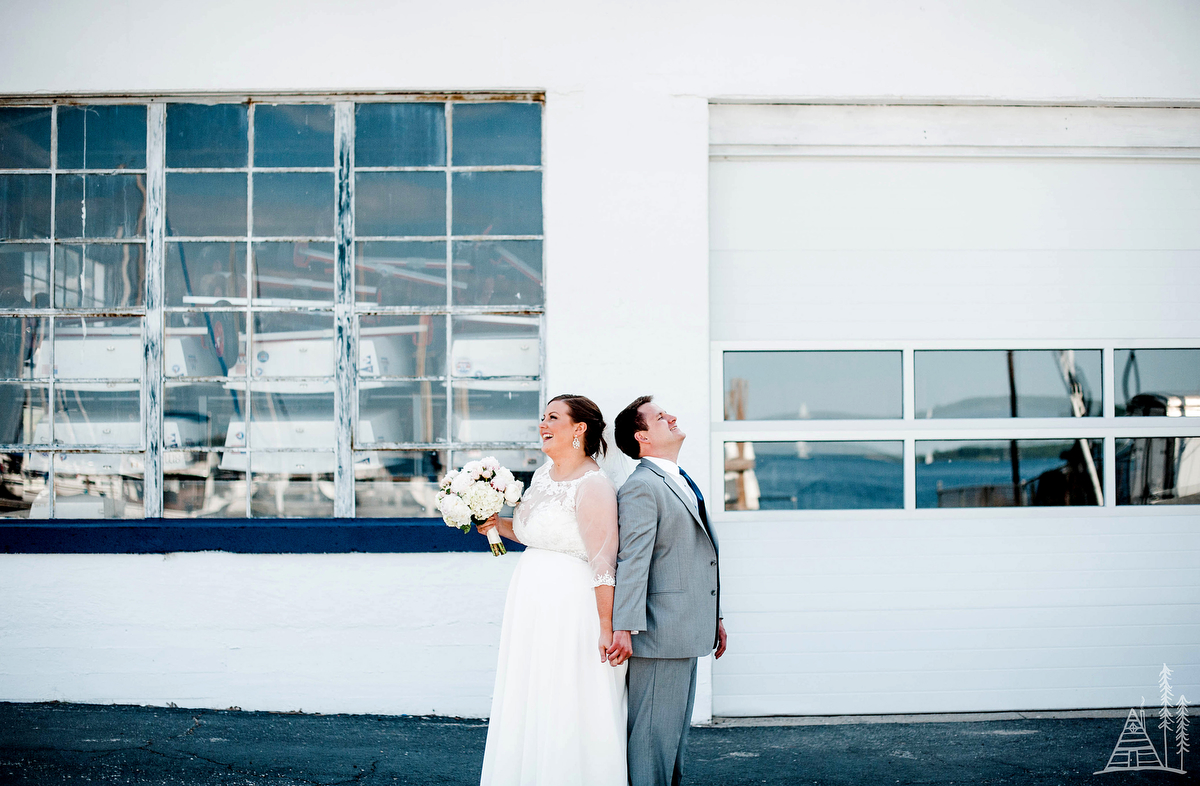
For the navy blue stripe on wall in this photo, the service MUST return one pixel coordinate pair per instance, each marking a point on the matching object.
(242, 536)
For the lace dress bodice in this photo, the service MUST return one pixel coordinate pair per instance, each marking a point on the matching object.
(576, 517)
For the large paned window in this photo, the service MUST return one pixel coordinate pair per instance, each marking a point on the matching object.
(932, 427)
(265, 307)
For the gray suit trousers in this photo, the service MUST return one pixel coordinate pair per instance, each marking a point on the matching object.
(661, 694)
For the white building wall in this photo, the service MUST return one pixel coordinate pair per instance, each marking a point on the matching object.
(627, 88)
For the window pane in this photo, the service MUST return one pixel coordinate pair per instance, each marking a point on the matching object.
(287, 415)
(203, 344)
(982, 384)
(24, 413)
(293, 273)
(298, 135)
(496, 411)
(402, 346)
(198, 414)
(817, 385)
(497, 133)
(498, 272)
(25, 492)
(97, 414)
(399, 135)
(1163, 382)
(206, 204)
(24, 137)
(99, 486)
(291, 344)
(100, 206)
(813, 475)
(20, 337)
(26, 200)
(411, 273)
(1158, 471)
(102, 137)
(206, 136)
(399, 203)
(205, 274)
(24, 275)
(395, 484)
(302, 488)
(498, 203)
(495, 345)
(984, 474)
(91, 348)
(401, 412)
(293, 203)
(195, 486)
(99, 276)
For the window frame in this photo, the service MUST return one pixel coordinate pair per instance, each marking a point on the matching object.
(345, 310)
(1108, 428)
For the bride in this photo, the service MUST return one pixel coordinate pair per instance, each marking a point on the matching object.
(558, 710)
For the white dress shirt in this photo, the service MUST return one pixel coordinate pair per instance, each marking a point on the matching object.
(672, 470)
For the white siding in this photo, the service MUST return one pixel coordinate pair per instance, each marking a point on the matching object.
(898, 241)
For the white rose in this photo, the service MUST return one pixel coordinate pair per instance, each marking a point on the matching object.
(512, 492)
(502, 479)
(461, 483)
(484, 500)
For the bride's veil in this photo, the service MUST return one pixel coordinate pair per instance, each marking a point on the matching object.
(616, 465)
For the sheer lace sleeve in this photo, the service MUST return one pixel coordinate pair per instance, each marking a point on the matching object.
(596, 511)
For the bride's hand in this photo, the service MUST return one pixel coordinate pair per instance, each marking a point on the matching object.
(483, 526)
(606, 637)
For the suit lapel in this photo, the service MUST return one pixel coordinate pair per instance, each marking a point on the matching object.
(674, 487)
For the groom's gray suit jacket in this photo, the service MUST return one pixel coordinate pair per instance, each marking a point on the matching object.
(668, 577)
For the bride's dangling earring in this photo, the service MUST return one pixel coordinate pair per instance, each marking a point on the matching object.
(575, 442)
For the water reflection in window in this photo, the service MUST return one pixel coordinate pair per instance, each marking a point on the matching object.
(1001, 384)
(1006, 473)
(1158, 471)
(816, 385)
(1158, 382)
(814, 475)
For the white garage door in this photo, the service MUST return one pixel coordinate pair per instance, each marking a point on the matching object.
(914, 230)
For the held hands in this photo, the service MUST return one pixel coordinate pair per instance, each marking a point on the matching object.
(620, 649)
(606, 637)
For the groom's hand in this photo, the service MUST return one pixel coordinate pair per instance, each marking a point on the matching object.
(721, 639)
(621, 648)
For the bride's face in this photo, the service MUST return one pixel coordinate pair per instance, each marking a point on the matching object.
(557, 429)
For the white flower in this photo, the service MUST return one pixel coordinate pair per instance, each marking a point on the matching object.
(455, 512)
(512, 492)
(490, 463)
(484, 500)
(448, 478)
(502, 479)
(462, 482)
(473, 468)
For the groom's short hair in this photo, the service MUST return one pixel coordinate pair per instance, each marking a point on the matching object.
(629, 422)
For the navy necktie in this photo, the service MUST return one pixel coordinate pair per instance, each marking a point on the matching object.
(699, 498)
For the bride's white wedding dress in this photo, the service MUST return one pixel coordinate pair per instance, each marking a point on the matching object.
(558, 712)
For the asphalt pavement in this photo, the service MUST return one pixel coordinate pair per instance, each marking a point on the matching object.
(54, 743)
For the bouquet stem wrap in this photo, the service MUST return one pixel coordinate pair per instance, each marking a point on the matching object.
(477, 492)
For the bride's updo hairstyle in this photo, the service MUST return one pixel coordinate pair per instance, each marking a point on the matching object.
(584, 410)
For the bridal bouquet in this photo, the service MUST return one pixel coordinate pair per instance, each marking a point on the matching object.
(478, 491)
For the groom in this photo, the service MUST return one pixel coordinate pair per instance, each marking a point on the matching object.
(666, 612)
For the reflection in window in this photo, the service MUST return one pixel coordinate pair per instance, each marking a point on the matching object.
(816, 385)
(1158, 471)
(1001, 384)
(1158, 382)
(813, 475)
(1004, 473)
(250, 273)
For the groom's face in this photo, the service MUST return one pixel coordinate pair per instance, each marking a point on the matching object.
(662, 432)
